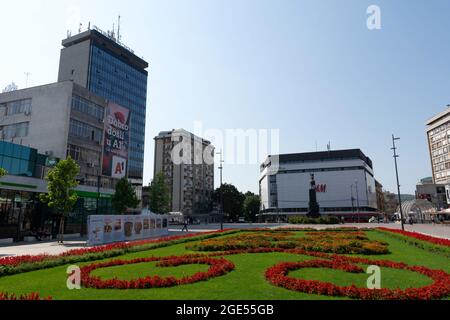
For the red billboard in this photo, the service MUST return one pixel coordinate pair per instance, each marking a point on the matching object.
(117, 140)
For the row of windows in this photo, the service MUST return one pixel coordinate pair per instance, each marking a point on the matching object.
(88, 107)
(439, 136)
(122, 97)
(440, 129)
(438, 153)
(441, 159)
(120, 69)
(440, 144)
(112, 81)
(18, 130)
(84, 155)
(104, 73)
(83, 130)
(17, 167)
(442, 167)
(321, 170)
(17, 107)
(442, 175)
(17, 151)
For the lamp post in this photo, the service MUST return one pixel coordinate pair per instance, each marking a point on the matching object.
(357, 201)
(394, 148)
(353, 199)
(99, 177)
(221, 184)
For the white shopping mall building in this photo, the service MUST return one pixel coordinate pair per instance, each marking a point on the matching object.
(345, 185)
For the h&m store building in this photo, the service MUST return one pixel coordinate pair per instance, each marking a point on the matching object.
(345, 185)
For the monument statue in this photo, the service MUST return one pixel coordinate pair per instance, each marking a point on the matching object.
(314, 209)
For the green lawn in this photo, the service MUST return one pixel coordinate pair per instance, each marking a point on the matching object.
(245, 282)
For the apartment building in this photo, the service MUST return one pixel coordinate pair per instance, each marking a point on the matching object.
(190, 178)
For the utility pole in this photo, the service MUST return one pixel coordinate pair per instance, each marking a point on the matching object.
(353, 199)
(99, 179)
(357, 201)
(394, 148)
(221, 184)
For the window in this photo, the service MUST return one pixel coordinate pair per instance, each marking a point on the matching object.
(88, 107)
(74, 152)
(17, 107)
(18, 130)
(83, 130)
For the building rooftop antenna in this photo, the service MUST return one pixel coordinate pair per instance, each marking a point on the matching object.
(27, 75)
(118, 29)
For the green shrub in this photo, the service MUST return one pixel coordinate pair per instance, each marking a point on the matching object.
(321, 220)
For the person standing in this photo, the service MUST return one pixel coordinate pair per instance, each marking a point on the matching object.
(185, 225)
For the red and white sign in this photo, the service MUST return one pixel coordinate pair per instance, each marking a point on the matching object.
(321, 188)
(119, 167)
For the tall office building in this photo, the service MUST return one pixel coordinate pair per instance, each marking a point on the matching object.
(98, 61)
(438, 136)
(191, 182)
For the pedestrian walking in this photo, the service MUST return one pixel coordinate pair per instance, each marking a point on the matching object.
(185, 226)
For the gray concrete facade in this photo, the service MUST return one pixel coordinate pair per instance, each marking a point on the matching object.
(49, 123)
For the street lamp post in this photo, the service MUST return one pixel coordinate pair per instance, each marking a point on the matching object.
(99, 177)
(353, 199)
(221, 184)
(394, 148)
(357, 201)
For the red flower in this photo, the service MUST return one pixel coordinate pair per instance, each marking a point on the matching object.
(218, 267)
(31, 296)
(19, 260)
(419, 236)
(278, 275)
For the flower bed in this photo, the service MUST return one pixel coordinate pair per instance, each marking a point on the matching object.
(419, 236)
(278, 275)
(218, 267)
(19, 264)
(32, 297)
(326, 248)
(355, 242)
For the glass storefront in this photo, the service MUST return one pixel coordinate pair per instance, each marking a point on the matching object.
(22, 213)
(19, 213)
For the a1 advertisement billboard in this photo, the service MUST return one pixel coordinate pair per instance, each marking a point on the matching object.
(117, 140)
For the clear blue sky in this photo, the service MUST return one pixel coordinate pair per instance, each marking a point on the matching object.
(309, 68)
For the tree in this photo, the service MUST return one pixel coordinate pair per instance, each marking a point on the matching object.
(159, 195)
(61, 197)
(233, 201)
(124, 197)
(3, 172)
(252, 205)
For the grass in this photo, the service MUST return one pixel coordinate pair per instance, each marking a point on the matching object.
(245, 282)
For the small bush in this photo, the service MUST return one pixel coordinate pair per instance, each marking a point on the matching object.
(321, 220)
